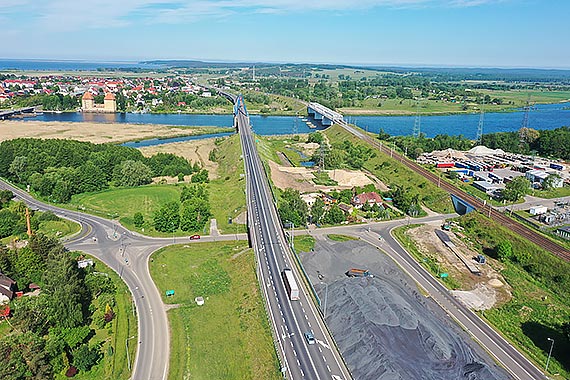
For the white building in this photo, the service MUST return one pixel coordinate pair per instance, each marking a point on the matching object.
(538, 210)
(539, 176)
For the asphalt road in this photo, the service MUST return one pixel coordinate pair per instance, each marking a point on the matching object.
(499, 348)
(127, 253)
(289, 319)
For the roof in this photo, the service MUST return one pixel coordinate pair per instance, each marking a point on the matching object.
(367, 198)
(565, 229)
(87, 96)
(6, 281)
(486, 185)
(109, 96)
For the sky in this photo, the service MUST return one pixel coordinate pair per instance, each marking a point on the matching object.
(466, 33)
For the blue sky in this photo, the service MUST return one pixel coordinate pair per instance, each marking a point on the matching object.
(489, 33)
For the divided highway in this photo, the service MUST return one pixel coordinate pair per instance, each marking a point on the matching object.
(289, 319)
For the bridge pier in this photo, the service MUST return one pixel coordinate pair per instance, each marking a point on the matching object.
(325, 115)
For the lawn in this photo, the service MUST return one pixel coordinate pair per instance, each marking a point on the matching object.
(229, 336)
(341, 238)
(304, 243)
(59, 228)
(393, 172)
(227, 196)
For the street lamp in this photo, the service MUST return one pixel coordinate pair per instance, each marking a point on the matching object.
(127, 347)
(549, 353)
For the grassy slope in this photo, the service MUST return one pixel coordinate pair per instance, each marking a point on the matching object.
(537, 308)
(228, 337)
(227, 197)
(227, 193)
(392, 172)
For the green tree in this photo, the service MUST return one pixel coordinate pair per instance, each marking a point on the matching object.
(8, 220)
(18, 167)
(138, 219)
(334, 215)
(90, 178)
(132, 173)
(194, 215)
(292, 208)
(551, 181)
(167, 219)
(85, 357)
(317, 210)
(515, 189)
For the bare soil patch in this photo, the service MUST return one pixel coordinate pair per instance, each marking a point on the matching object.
(195, 151)
(479, 292)
(93, 132)
(301, 178)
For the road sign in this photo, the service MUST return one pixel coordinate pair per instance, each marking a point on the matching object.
(169, 293)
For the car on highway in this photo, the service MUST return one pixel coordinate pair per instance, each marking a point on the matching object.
(194, 237)
(309, 337)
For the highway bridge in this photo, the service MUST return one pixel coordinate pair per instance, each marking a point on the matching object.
(289, 319)
(325, 115)
(5, 114)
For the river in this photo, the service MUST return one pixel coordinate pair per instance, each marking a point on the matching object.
(544, 116)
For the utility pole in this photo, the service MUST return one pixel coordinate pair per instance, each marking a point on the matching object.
(417, 121)
(480, 125)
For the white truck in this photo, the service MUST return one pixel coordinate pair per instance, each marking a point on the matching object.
(290, 284)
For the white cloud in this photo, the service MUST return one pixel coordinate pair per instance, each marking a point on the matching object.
(94, 14)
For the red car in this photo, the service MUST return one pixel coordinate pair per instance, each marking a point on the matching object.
(194, 237)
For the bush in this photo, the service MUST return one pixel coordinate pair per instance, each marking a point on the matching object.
(85, 357)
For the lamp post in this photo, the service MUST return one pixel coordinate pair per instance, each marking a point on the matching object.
(326, 298)
(549, 353)
(127, 347)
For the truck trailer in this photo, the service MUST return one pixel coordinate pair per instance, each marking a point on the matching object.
(290, 284)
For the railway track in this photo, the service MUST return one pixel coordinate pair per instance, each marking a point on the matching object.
(499, 217)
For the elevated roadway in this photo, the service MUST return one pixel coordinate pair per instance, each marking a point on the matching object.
(289, 319)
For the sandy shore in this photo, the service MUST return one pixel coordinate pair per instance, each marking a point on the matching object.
(93, 132)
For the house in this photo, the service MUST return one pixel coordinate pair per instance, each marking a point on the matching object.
(370, 198)
(7, 289)
(309, 198)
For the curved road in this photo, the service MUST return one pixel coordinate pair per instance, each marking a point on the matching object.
(127, 253)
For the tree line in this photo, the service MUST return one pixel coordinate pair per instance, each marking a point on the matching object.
(51, 331)
(58, 169)
(190, 213)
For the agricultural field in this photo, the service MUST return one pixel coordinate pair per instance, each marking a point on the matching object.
(229, 336)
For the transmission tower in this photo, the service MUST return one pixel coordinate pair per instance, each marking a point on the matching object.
(417, 121)
(524, 125)
(480, 127)
(321, 157)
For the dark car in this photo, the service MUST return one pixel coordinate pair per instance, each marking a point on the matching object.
(194, 237)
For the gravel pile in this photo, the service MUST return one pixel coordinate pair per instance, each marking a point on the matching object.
(385, 329)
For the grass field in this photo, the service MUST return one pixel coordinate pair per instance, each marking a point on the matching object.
(113, 365)
(392, 173)
(304, 243)
(540, 304)
(340, 238)
(229, 336)
(227, 196)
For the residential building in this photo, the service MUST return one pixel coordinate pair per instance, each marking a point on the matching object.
(7, 289)
(370, 198)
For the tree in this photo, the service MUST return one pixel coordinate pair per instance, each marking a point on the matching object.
(504, 250)
(292, 208)
(194, 215)
(90, 178)
(8, 220)
(85, 357)
(18, 167)
(167, 219)
(317, 210)
(138, 219)
(334, 215)
(132, 173)
(551, 181)
(515, 189)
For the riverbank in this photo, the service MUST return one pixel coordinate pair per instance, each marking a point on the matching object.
(98, 132)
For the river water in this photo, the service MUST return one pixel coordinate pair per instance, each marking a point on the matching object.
(548, 116)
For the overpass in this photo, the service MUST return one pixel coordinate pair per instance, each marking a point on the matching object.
(289, 319)
(9, 113)
(325, 115)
